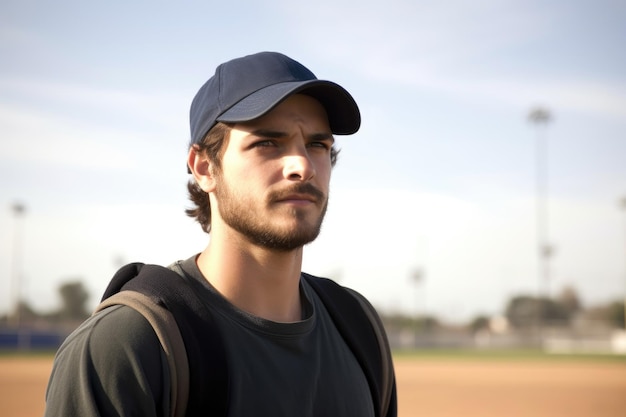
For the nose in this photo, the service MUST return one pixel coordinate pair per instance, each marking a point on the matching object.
(298, 166)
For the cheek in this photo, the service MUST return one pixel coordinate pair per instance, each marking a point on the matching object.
(244, 183)
(324, 169)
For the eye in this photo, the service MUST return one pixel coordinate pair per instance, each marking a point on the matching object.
(263, 143)
(319, 144)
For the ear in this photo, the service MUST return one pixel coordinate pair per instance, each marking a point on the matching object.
(201, 168)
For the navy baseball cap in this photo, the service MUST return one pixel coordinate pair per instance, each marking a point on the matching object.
(246, 88)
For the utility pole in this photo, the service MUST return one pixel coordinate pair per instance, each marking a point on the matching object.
(19, 211)
(540, 117)
(623, 206)
(417, 276)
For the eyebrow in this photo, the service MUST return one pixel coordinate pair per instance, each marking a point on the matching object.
(266, 133)
(277, 134)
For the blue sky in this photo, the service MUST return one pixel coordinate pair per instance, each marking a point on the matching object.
(94, 101)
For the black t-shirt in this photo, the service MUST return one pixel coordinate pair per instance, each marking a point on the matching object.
(113, 364)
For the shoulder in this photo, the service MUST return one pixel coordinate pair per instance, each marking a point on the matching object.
(111, 327)
(346, 306)
(361, 326)
(113, 361)
(331, 292)
(114, 337)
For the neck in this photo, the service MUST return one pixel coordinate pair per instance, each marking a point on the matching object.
(259, 281)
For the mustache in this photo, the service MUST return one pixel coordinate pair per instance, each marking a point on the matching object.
(304, 188)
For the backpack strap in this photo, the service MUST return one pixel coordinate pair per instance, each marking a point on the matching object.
(357, 321)
(178, 296)
(388, 378)
(166, 329)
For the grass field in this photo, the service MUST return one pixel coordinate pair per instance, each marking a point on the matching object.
(434, 385)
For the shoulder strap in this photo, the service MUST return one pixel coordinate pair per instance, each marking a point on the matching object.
(357, 321)
(179, 297)
(388, 378)
(167, 331)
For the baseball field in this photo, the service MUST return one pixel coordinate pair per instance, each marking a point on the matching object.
(433, 386)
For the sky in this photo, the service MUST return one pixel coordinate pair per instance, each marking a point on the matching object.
(439, 183)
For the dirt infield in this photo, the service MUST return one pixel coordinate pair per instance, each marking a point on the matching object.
(426, 387)
(23, 385)
(483, 388)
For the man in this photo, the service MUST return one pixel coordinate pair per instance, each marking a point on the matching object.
(261, 154)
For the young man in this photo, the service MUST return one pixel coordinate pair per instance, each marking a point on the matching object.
(261, 338)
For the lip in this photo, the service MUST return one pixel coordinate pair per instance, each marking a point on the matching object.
(298, 199)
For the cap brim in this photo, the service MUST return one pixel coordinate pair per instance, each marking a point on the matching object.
(343, 113)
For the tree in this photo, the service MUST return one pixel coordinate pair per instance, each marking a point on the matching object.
(527, 311)
(611, 313)
(74, 297)
(479, 323)
(522, 311)
(569, 300)
(616, 314)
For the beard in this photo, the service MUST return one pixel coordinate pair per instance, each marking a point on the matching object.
(254, 222)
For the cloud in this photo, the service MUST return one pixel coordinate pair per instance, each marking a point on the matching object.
(157, 107)
(477, 52)
(579, 95)
(88, 242)
(87, 126)
(31, 136)
(374, 238)
(429, 36)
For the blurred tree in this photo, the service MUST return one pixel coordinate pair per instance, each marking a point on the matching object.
(522, 311)
(479, 323)
(26, 312)
(568, 298)
(426, 324)
(611, 313)
(422, 324)
(526, 311)
(74, 297)
(616, 314)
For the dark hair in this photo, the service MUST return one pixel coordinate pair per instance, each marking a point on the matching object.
(213, 146)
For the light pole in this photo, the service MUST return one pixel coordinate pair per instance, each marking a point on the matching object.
(540, 117)
(623, 206)
(18, 212)
(417, 276)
